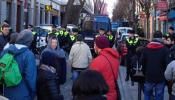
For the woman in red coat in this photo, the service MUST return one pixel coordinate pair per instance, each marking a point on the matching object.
(107, 60)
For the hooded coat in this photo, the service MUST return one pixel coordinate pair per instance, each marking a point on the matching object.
(102, 65)
(60, 52)
(3, 41)
(154, 61)
(26, 89)
(59, 63)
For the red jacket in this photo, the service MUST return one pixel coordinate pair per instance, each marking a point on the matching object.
(102, 65)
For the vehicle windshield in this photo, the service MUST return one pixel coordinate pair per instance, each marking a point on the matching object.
(99, 25)
(122, 31)
(41, 32)
(46, 27)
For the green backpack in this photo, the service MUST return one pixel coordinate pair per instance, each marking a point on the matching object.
(9, 71)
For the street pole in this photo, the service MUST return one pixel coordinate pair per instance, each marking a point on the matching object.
(26, 14)
(155, 13)
(139, 91)
(155, 21)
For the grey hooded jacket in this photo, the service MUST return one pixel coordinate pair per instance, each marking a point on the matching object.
(60, 52)
(170, 74)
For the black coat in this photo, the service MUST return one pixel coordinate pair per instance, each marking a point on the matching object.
(3, 41)
(154, 62)
(48, 86)
(89, 98)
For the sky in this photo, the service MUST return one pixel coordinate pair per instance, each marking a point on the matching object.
(111, 4)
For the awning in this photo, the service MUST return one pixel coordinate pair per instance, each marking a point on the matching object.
(171, 14)
(163, 18)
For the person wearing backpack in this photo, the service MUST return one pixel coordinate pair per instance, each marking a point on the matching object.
(48, 81)
(25, 87)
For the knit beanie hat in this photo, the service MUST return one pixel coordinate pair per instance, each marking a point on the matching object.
(102, 42)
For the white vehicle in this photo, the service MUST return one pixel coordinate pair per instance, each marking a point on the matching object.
(123, 37)
(71, 27)
(46, 27)
(42, 32)
(122, 30)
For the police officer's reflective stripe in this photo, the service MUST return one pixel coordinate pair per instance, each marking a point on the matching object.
(136, 40)
(167, 34)
(56, 33)
(50, 33)
(132, 42)
(110, 37)
(61, 33)
(72, 37)
(66, 33)
(34, 33)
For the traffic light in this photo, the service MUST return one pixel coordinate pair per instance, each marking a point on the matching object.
(48, 7)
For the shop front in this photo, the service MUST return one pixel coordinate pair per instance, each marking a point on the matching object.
(171, 18)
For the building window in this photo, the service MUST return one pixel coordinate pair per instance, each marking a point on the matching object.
(8, 13)
(41, 15)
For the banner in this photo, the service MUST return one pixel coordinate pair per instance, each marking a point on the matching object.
(162, 5)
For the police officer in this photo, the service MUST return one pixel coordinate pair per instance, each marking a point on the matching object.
(101, 32)
(73, 37)
(63, 37)
(54, 32)
(110, 38)
(169, 38)
(132, 42)
(34, 42)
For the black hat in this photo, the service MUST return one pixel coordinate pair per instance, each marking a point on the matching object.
(171, 28)
(157, 34)
(131, 31)
(80, 37)
(75, 30)
(102, 29)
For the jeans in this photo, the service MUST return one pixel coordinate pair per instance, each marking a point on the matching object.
(157, 88)
(75, 74)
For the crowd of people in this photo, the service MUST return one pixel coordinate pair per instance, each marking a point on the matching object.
(151, 63)
(43, 80)
(94, 78)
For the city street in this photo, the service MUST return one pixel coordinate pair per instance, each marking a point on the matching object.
(66, 37)
(128, 92)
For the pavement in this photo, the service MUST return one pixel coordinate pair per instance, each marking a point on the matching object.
(127, 91)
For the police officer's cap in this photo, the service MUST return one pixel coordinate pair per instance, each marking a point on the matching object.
(131, 31)
(80, 37)
(75, 30)
(54, 26)
(102, 29)
(171, 28)
(30, 26)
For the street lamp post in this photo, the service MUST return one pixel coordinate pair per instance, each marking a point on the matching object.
(155, 14)
(26, 15)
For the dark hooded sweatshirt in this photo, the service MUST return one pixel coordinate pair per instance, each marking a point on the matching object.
(154, 61)
(3, 41)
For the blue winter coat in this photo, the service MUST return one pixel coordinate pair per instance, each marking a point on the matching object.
(27, 64)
